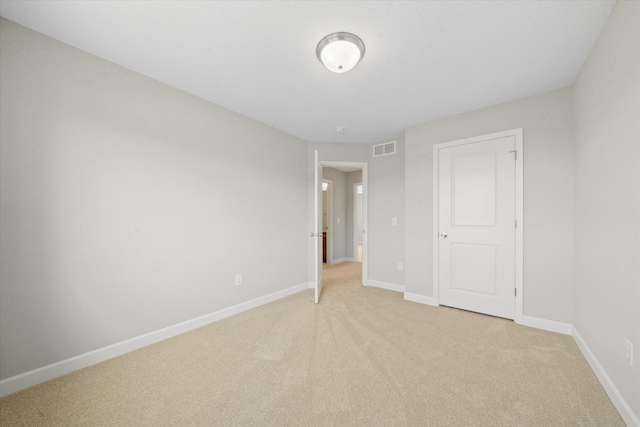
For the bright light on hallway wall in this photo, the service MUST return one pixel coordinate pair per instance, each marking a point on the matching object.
(340, 52)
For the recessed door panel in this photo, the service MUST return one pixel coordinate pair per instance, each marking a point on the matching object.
(473, 268)
(474, 189)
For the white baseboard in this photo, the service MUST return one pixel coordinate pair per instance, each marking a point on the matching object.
(422, 299)
(350, 259)
(385, 285)
(623, 407)
(547, 325)
(45, 373)
(338, 261)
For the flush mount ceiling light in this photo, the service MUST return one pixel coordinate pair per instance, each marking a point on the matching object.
(340, 52)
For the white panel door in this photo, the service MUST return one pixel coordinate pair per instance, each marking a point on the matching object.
(477, 234)
(317, 233)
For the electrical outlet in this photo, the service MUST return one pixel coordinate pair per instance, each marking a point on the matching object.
(628, 352)
(238, 279)
(400, 266)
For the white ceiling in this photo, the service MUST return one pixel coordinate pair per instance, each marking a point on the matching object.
(423, 61)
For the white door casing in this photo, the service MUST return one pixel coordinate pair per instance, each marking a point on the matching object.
(317, 223)
(478, 224)
(357, 219)
(364, 167)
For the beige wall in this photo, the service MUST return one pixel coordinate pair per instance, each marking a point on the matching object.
(129, 206)
(607, 199)
(548, 196)
(386, 200)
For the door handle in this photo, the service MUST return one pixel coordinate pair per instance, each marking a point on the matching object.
(443, 235)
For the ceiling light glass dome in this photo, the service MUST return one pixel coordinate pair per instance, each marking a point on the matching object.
(340, 52)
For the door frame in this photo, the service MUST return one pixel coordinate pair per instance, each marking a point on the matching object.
(365, 189)
(317, 227)
(519, 212)
(355, 237)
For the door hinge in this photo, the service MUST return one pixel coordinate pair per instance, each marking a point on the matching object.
(516, 223)
(516, 154)
(515, 292)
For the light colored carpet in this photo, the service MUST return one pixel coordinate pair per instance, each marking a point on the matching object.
(363, 356)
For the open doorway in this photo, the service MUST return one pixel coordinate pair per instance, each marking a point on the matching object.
(327, 220)
(345, 224)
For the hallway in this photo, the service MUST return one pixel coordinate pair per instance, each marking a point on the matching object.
(345, 274)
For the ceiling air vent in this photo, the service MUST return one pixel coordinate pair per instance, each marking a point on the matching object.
(384, 149)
